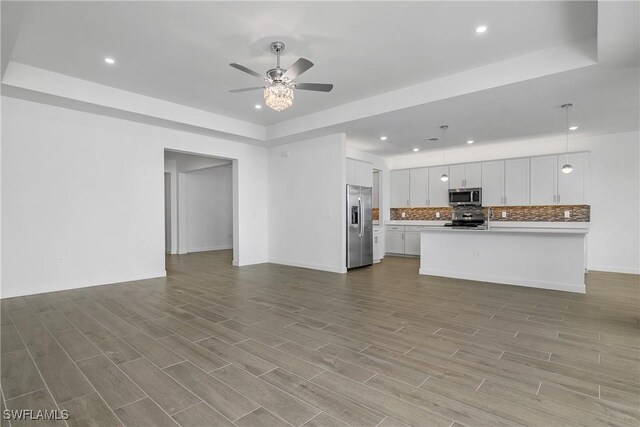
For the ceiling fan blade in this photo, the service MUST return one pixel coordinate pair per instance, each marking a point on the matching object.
(246, 89)
(299, 67)
(246, 70)
(319, 87)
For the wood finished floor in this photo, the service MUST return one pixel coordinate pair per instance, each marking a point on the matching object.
(269, 345)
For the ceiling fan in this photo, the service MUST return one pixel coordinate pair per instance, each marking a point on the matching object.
(279, 86)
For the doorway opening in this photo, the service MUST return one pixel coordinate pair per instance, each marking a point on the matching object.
(199, 204)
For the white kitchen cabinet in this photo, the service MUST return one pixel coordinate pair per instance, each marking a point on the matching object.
(351, 172)
(544, 180)
(395, 241)
(571, 186)
(400, 188)
(456, 176)
(516, 182)
(364, 174)
(493, 183)
(473, 175)
(438, 189)
(412, 243)
(465, 176)
(378, 252)
(419, 187)
(359, 173)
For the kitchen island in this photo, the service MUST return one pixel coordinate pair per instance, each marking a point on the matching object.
(538, 257)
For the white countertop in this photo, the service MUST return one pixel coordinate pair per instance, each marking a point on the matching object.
(506, 226)
(410, 223)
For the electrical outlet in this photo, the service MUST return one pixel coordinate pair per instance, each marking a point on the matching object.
(404, 215)
(504, 214)
(437, 214)
(567, 214)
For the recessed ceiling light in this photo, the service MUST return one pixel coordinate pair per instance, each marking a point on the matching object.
(573, 128)
(416, 149)
(481, 29)
(471, 141)
(109, 60)
(258, 107)
(384, 138)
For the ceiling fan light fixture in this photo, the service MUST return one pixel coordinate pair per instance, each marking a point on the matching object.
(278, 96)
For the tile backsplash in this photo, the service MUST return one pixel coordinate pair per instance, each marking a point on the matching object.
(376, 214)
(549, 213)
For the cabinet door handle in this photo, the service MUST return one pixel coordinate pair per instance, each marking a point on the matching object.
(554, 198)
(505, 200)
(558, 198)
(427, 202)
(407, 202)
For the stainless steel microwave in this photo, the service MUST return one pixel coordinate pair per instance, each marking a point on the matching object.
(465, 197)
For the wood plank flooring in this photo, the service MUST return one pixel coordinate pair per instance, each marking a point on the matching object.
(270, 345)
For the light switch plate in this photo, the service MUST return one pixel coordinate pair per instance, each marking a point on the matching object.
(504, 214)
(567, 214)
(404, 215)
(437, 214)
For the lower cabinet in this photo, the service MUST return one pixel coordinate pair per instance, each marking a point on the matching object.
(378, 249)
(412, 243)
(403, 240)
(395, 242)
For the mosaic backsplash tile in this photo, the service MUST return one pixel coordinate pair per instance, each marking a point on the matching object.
(550, 213)
(375, 213)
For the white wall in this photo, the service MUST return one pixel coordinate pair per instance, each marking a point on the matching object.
(82, 197)
(307, 182)
(209, 209)
(613, 188)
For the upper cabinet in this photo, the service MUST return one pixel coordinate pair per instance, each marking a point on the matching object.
(400, 188)
(419, 187)
(549, 186)
(544, 177)
(493, 179)
(516, 182)
(359, 173)
(511, 182)
(571, 186)
(465, 176)
(438, 189)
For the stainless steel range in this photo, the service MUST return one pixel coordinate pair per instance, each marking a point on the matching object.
(468, 217)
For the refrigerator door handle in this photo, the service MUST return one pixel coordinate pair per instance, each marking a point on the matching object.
(361, 231)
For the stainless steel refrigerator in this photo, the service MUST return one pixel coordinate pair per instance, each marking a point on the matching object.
(359, 226)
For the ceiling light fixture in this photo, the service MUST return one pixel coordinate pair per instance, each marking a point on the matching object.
(470, 141)
(416, 149)
(109, 60)
(567, 168)
(444, 177)
(481, 29)
(384, 138)
(279, 85)
(278, 96)
(258, 107)
(573, 128)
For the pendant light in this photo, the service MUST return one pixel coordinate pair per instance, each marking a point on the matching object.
(444, 177)
(567, 168)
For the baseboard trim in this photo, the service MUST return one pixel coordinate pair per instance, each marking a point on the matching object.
(102, 282)
(309, 266)
(210, 248)
(614, 269)
(555, 286)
